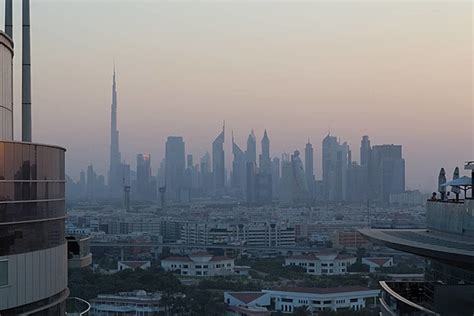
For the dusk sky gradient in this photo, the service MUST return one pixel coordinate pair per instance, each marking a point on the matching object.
(400, 72)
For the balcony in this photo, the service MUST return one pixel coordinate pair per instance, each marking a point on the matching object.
(79, 255)
(76, 306)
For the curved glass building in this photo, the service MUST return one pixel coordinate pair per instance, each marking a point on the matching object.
(33, 249)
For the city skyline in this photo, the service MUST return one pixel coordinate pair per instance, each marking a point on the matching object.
(381, 99)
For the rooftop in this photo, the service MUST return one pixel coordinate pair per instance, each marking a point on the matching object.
(246, 297)
(316, 290)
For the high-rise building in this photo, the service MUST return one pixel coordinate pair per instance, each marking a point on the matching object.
(286, 179)
(251, 148)
(175, 164)
(357, 183)
(206, 179)
(309, 169)
(265, 162)
(276, 178)
(33, 248)
(365, 150)
(299, 188)
(239, 165)
(251, 183)
(115, 168)
(386, 171)
(335, 165)
(143, 188)
(91, 184)
(218, 162)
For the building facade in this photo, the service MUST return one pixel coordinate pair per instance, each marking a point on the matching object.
(322, 264)
(127, 303)
(33, 249)
(260, 234)
(175, 165)
(287, 299)
(199, 264)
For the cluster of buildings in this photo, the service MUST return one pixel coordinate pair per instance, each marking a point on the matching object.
(257, 179)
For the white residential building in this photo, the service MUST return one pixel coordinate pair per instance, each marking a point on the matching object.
(127, 304)
(199, 264)
(322, 264)
(375, 263)
(319, 299)
(286, 299)
(253, 234)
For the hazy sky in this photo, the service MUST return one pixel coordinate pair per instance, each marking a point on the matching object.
(400, 72)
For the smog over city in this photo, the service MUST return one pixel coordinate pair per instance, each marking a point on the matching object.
(236, 157)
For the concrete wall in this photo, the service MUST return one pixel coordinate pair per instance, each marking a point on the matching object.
(34, 276)
(450, 217)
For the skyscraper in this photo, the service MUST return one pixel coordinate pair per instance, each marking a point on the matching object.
(239, 164)
(365, 150)
(265, 160)
(218, 162)
(309, 169)
(33, 249)
(335, 164)
(276, 178)
(387, 171)
(143, 177)
(115, 169)
(206, 174)
(299, 188)
(251, 148)
(175, 164)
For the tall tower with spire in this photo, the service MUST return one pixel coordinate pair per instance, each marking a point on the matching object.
(309, 168)
(218, 162)
(115, 181)
(265, 160)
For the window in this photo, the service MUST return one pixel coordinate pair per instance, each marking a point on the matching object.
(3, 272)
(311, 264)
(353, 300)
(205, 267)
(324, 271)
(185, 266)
(198, 267)
(316, 302)
(327, 302)
(288, 300)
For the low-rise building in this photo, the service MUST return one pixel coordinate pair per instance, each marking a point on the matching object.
(258, 234)
(199, 264)
(322, 264)
(376, 263)
(287, 299)
(127, 303)
(349, 239)
(319, 299)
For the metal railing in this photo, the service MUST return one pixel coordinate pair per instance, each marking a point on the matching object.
(76, 306)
